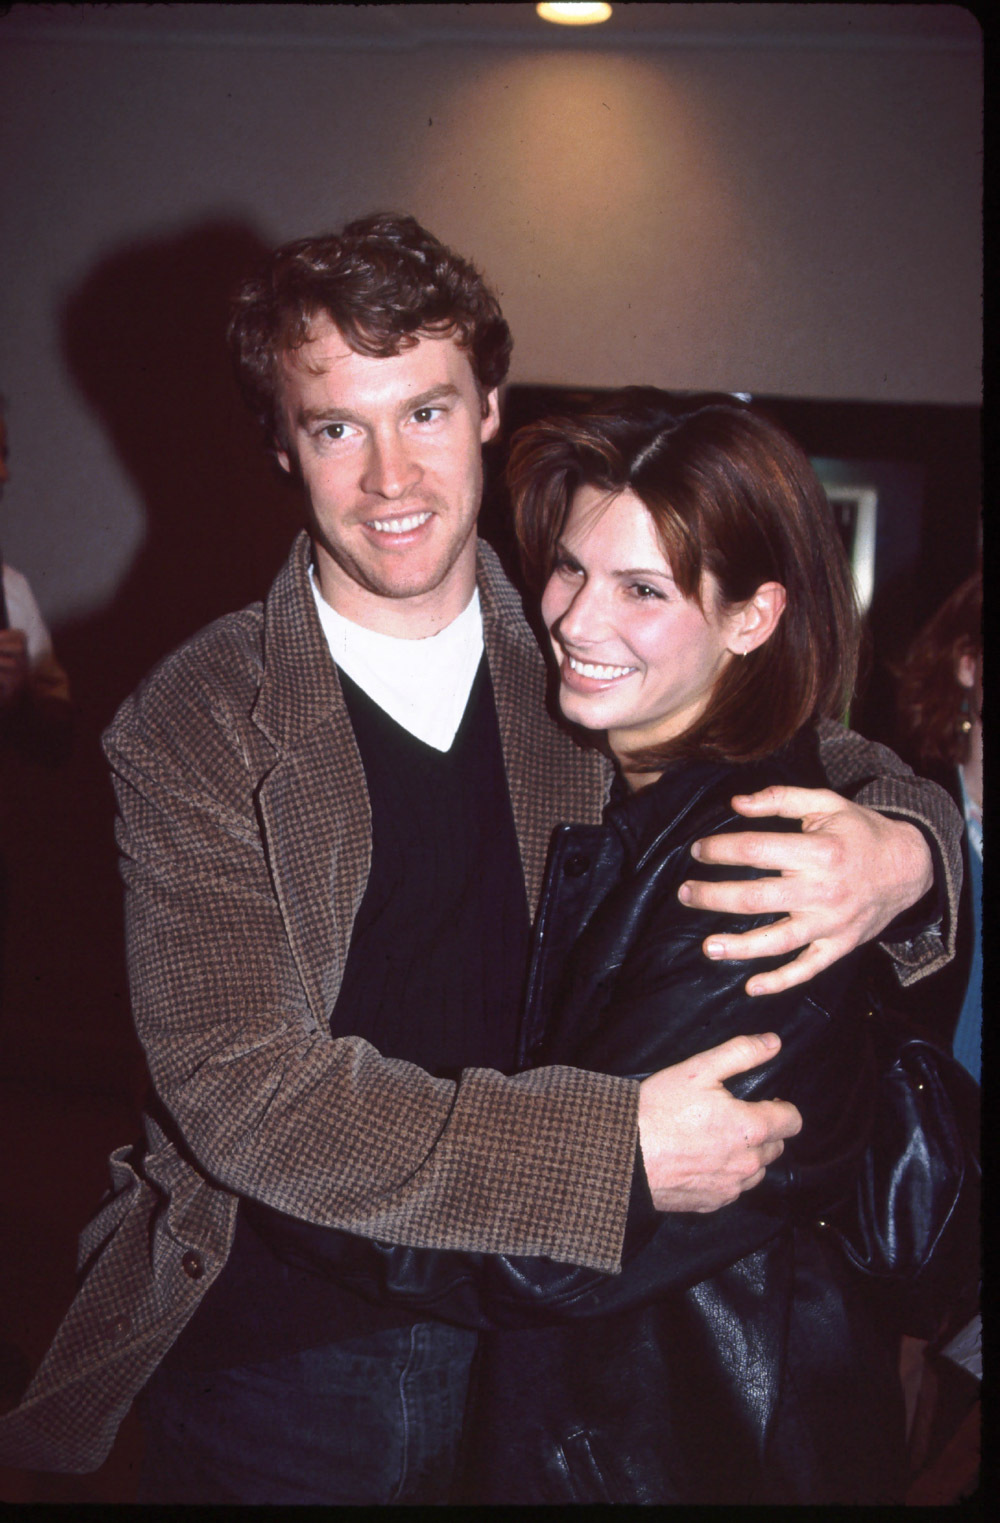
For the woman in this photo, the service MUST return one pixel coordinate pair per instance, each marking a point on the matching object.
(701, 617)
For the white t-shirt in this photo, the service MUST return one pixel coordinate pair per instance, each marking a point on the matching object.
(424, 685)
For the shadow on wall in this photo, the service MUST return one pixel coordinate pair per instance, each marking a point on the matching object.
(144, 339)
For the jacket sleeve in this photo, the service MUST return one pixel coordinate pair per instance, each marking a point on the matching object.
(668, 1003)
(265, 1101)
(873, 775)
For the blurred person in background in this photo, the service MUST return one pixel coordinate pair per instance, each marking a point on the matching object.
(34, 689)
(940, 703)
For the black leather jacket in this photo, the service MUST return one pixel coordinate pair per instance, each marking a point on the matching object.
(735, 1358)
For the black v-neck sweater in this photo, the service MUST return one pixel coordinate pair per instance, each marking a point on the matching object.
(434, 975)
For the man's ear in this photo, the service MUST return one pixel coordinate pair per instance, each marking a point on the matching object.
(757, 619)
(491, 418)
(283, 460)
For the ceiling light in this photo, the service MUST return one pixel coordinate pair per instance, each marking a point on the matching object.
(585, 14)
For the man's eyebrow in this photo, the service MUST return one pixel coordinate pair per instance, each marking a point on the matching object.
(307, 416)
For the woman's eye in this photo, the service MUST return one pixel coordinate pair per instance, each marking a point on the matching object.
(643, 591)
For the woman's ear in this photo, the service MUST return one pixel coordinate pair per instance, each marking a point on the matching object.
(757, 619)
(965, 669)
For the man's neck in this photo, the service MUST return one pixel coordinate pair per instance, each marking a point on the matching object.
(406, 618)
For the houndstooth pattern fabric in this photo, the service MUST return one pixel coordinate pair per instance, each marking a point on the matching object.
(245, 838)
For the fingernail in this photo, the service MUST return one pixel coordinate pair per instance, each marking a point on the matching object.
(770, 1039)
(684, 894)
(753, 989)
(696, 851)
(714, 949)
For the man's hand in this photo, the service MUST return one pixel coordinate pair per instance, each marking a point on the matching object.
(842, 880)
(13, 666)
(700, 1145)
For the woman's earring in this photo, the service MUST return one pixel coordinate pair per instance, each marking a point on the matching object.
(965, 723)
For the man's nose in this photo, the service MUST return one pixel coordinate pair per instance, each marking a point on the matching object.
(390, 470)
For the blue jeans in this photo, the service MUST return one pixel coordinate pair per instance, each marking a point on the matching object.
(368, 1421)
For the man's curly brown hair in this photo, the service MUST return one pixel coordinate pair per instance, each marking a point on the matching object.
(386, 283)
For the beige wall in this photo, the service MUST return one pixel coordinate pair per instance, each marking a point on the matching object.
(800, 220)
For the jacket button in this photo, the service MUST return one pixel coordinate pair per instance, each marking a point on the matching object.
(192, 1265)
(576, 865)
(116, 1328)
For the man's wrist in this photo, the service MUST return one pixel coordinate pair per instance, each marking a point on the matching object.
(927, 913)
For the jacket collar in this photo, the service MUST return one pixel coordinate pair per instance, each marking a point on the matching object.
(644, 818)
(299, 685)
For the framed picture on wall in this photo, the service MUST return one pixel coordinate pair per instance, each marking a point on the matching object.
(855, 512)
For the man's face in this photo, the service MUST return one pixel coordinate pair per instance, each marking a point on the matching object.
(390, 456)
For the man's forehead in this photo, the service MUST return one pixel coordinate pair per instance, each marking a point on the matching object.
(326, 347)
(328, 369)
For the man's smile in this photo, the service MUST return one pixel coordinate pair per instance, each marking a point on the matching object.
(398, 525)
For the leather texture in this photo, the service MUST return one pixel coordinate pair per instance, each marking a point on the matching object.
(739, 1357)
(912, 1224)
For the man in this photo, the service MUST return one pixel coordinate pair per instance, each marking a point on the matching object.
(329, 867)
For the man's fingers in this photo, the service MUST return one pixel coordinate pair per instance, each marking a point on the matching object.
(769, 1151)
(733, 1057)
(775, 1119)
(747, 896)
(770, 1122)
(767, 848)
(788, 802)
(775, 940)
(755, 1179)
(815, 957)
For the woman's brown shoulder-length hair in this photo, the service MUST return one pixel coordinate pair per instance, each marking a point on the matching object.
(730, 494)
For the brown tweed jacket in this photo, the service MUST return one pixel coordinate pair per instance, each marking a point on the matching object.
(245, 838)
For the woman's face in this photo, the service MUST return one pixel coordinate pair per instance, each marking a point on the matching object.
(636, 657)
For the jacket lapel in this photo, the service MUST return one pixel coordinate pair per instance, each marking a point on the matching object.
(313, 802)
(551, 778)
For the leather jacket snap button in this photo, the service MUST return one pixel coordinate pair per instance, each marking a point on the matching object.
(192, 1265)
(576, 865)
(116, 1328)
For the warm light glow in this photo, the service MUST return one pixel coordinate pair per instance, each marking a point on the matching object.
(584, 14)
